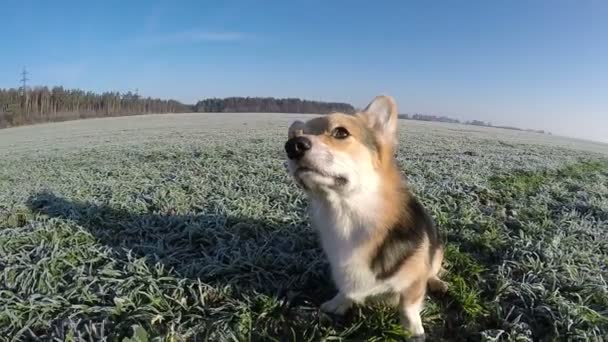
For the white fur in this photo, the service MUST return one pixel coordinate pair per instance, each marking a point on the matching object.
(344, 225)
(413, 321)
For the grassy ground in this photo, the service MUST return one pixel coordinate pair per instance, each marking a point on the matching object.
(187, 228)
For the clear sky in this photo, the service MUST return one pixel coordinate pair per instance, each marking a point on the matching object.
(534, 64)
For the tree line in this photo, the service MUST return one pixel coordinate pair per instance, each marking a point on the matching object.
(41, 104)
(435, 118)
(427, 117)
(270, 105)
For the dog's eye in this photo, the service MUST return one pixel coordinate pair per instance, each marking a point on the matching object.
(340, 133)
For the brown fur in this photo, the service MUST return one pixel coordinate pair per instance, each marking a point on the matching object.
(420, 265)
(323, 126)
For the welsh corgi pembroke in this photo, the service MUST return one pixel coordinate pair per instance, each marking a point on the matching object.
(377, 236)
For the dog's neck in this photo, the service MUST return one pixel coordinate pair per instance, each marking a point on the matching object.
(360, 211)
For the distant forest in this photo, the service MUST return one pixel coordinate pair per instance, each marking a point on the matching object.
(426, 117)
(270, 105)
(43, 104)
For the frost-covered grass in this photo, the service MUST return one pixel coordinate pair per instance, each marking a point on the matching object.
(187, 227)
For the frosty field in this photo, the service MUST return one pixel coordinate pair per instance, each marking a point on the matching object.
(186, 227)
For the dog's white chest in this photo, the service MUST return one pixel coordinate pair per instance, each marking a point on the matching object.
(343, 236)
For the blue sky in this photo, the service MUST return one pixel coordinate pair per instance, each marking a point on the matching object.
(534, 64)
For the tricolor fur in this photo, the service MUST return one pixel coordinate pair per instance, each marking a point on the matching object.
(377, 236)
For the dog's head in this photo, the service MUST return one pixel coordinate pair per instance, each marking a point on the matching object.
(344, 153)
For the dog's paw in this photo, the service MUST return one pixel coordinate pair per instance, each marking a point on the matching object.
(392, 300)
(437, 285)
(418, 338)
(337, 305)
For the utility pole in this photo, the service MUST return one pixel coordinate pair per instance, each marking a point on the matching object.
(24, 80)
(138, 105)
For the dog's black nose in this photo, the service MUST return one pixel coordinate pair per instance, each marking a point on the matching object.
(296, 147)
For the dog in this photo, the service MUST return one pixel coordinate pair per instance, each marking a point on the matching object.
(376, 235)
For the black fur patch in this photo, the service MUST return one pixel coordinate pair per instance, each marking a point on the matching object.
(403, 239)
(425, 221)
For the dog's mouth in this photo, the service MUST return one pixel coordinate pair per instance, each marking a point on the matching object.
(339, 179)
(304, 169)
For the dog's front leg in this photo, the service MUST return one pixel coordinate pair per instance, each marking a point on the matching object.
(337, 305)
(343, 300)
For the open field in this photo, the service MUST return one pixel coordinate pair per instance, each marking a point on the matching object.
(188, 227)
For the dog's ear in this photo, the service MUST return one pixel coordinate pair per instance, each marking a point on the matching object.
(295, 128)
(381, 116)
